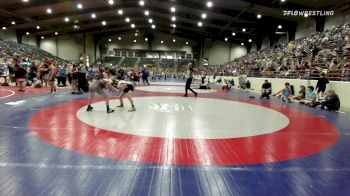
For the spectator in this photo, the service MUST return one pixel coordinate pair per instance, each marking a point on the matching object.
(266, 90)
(301, 94)
(20, 75)
(248, 84)
(310, 97)
(52, 79)
(145, 75)
(62, 75)
(242, 78)
(321, 84)
(285, 93)
(31, 76)
(331, 101)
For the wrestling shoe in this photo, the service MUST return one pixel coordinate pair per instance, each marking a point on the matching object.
(132, 110)
(89, 108)
(110, 111)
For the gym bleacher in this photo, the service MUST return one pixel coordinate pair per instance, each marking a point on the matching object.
(129, 62)
(304, 58)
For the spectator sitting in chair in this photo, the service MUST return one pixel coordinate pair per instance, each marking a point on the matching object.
(310, 97)
(331, 101)
(266, 90)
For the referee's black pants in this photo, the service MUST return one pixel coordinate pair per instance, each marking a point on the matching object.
(188, 86)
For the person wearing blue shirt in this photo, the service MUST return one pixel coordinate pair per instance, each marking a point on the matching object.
(62, 75)
(285, 93)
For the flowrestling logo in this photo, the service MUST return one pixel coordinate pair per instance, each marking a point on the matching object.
(307, 13)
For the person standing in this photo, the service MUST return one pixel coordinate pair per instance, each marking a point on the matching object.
(321, 84)
(189, 78)
(126, 89)
(101, 82)
(82, 80)
(145, 75)
(204, 75)
(45, 72)
(75, 76)
(52, 79)
(20, 75)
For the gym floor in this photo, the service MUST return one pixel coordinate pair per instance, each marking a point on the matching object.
(220, 143)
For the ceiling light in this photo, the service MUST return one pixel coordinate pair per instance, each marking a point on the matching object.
(93, 16)
(80, 6)
(161, 42)
(258, 16)
(186, 43)
(132, 25)
(127, 19)
(120, 12)
(244, 30)
(279, 26)
(109, 40)
(173, 25)
(200, 24)
(172, 9)
(25, 1)
(37, 27)
(242, 44)
(136, 34)
(42, 37)
(226, 39)
(173, 18)
(56, 33)
(66, 19)
(27, 33)
(49, 11)
(111, 2)
(104, 23)
(174, 40)
(13, 22)
(250, 40)
(119, 38)
(76, 27)
(146, 39)
(146, 13)
(134, 40)
(204, 16)
(4, 28)
(153, 26)
(209, 4)
(283, 0)
(142, 3)
(233, 34)
(150, 20)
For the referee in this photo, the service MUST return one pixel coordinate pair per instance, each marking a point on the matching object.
(189, 77)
